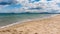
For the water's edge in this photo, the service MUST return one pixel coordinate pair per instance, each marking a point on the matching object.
(27, 20)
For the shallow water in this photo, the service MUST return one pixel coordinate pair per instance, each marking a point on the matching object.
(6, 19)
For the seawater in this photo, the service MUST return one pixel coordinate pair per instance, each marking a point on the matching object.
(7, 18)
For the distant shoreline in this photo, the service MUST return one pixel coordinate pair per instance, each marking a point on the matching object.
(31, 13)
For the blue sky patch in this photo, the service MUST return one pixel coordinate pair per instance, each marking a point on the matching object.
(32, 1)
(13, 6)
(58, 4)
(49, 0)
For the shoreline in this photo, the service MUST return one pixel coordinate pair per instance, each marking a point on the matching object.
(28, 21)
(50, 25)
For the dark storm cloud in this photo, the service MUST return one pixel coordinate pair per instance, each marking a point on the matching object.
(7, 2)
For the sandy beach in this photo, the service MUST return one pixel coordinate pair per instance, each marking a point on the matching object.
(42, 26)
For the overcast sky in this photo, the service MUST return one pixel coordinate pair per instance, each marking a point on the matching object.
(18, 6)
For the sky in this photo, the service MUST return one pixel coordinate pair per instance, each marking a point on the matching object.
(33, 6)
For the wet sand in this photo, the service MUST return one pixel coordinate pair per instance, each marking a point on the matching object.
(42, 26)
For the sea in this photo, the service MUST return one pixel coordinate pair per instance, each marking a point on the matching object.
(9, 18)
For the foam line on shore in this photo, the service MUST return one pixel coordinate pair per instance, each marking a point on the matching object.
(28, 20)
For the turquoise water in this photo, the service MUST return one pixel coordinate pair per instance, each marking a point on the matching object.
(6, 19)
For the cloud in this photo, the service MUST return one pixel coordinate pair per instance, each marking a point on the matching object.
(7, 2)
(45, 6)
(34, 6)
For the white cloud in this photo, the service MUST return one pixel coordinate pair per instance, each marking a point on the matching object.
(45, 6)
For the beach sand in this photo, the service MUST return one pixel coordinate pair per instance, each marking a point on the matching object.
(42, 26)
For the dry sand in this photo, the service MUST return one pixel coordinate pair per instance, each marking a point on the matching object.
(43, 26)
